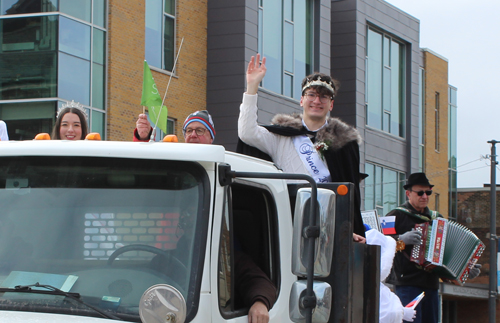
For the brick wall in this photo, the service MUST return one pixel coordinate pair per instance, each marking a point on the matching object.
(436, 161)
(187, 91)
(475, 311)
(473, 210)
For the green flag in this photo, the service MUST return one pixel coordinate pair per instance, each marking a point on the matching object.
(152, 99)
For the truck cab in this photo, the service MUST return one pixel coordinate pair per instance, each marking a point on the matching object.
(147, 232)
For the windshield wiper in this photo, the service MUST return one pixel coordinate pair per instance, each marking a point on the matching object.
(51, 290)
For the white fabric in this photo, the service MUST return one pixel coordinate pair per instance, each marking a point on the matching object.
(280, 148)
(4, 136)
(310, 157)
(391, 310)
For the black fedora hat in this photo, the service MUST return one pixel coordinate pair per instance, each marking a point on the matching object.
(417, 179)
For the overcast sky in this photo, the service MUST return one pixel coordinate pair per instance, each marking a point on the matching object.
(467, 33)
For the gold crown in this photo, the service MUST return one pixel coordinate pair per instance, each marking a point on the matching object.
(319, 82)
(75, 105)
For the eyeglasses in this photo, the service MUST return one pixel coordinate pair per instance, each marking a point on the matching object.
(311, 96)
(199, 131)
(421, 193)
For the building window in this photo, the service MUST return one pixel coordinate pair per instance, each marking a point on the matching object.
(159, 133)
(452, 151)
(160, 33)
(383, 189)
(421, 119)
(286, 40)
(436, 121)
(13, 7)
(436, 202)
(385, 80)
(51, 57)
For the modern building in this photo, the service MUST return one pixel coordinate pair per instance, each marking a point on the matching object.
(51, 52)
(92, 52)
(370, 46)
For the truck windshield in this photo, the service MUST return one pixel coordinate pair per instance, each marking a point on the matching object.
(105, 228)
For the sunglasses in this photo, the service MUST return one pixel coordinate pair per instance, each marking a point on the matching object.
(421, 193)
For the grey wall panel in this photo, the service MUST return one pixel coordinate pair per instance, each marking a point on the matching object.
(228, 31)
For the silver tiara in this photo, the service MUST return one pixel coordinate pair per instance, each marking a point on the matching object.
(73, 104)
(319, 82)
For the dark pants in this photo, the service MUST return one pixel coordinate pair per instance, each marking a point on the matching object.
(427, 309)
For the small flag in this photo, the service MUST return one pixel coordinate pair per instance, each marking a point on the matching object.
(415, 301)
(151, 99)
(387, 223)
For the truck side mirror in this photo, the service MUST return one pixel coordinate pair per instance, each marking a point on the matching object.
(325, 220)
(321, 312)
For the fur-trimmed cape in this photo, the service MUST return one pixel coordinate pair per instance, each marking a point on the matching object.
(337, 133)
(342, 156)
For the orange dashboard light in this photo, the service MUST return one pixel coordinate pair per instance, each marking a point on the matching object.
(93, 136)
(170, 138)
(42, 136)
(342, 190)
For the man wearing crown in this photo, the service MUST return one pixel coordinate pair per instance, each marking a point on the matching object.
(310, 143)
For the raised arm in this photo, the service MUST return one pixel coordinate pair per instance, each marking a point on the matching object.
(255, 73)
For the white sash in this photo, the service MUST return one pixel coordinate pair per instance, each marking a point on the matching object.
(311, 159)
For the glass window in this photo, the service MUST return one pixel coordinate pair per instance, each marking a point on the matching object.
(160, 33)
(386, 186)
(97, 123)
(225, 262)
(385, 83)
(369, 183)
(12, 7)
(390, 190)
(28, 57)
(91, 218)
(153, 32)
(421, 118)
(170, 126)
(74, 38)
(80, 9)
(169, 43)
(247, 236)
(436, 202)
(285, 39)
(98, 86)
(99, 13)
(374, 77)
(27, 119)
(99, 42)
(452, 152)
(159, 133)
(74, 79)
(436, 121)
(170, 7)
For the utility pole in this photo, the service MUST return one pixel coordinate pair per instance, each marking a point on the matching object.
(492, 301)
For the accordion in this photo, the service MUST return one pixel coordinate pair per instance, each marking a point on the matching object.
(448, 249)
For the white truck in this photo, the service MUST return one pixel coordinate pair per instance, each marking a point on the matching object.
(99, 231)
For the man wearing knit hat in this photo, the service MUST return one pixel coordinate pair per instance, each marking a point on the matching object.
(197, 129)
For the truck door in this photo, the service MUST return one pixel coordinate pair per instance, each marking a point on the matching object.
(248, 252)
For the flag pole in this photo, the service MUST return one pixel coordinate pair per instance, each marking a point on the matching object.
(165, 96)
